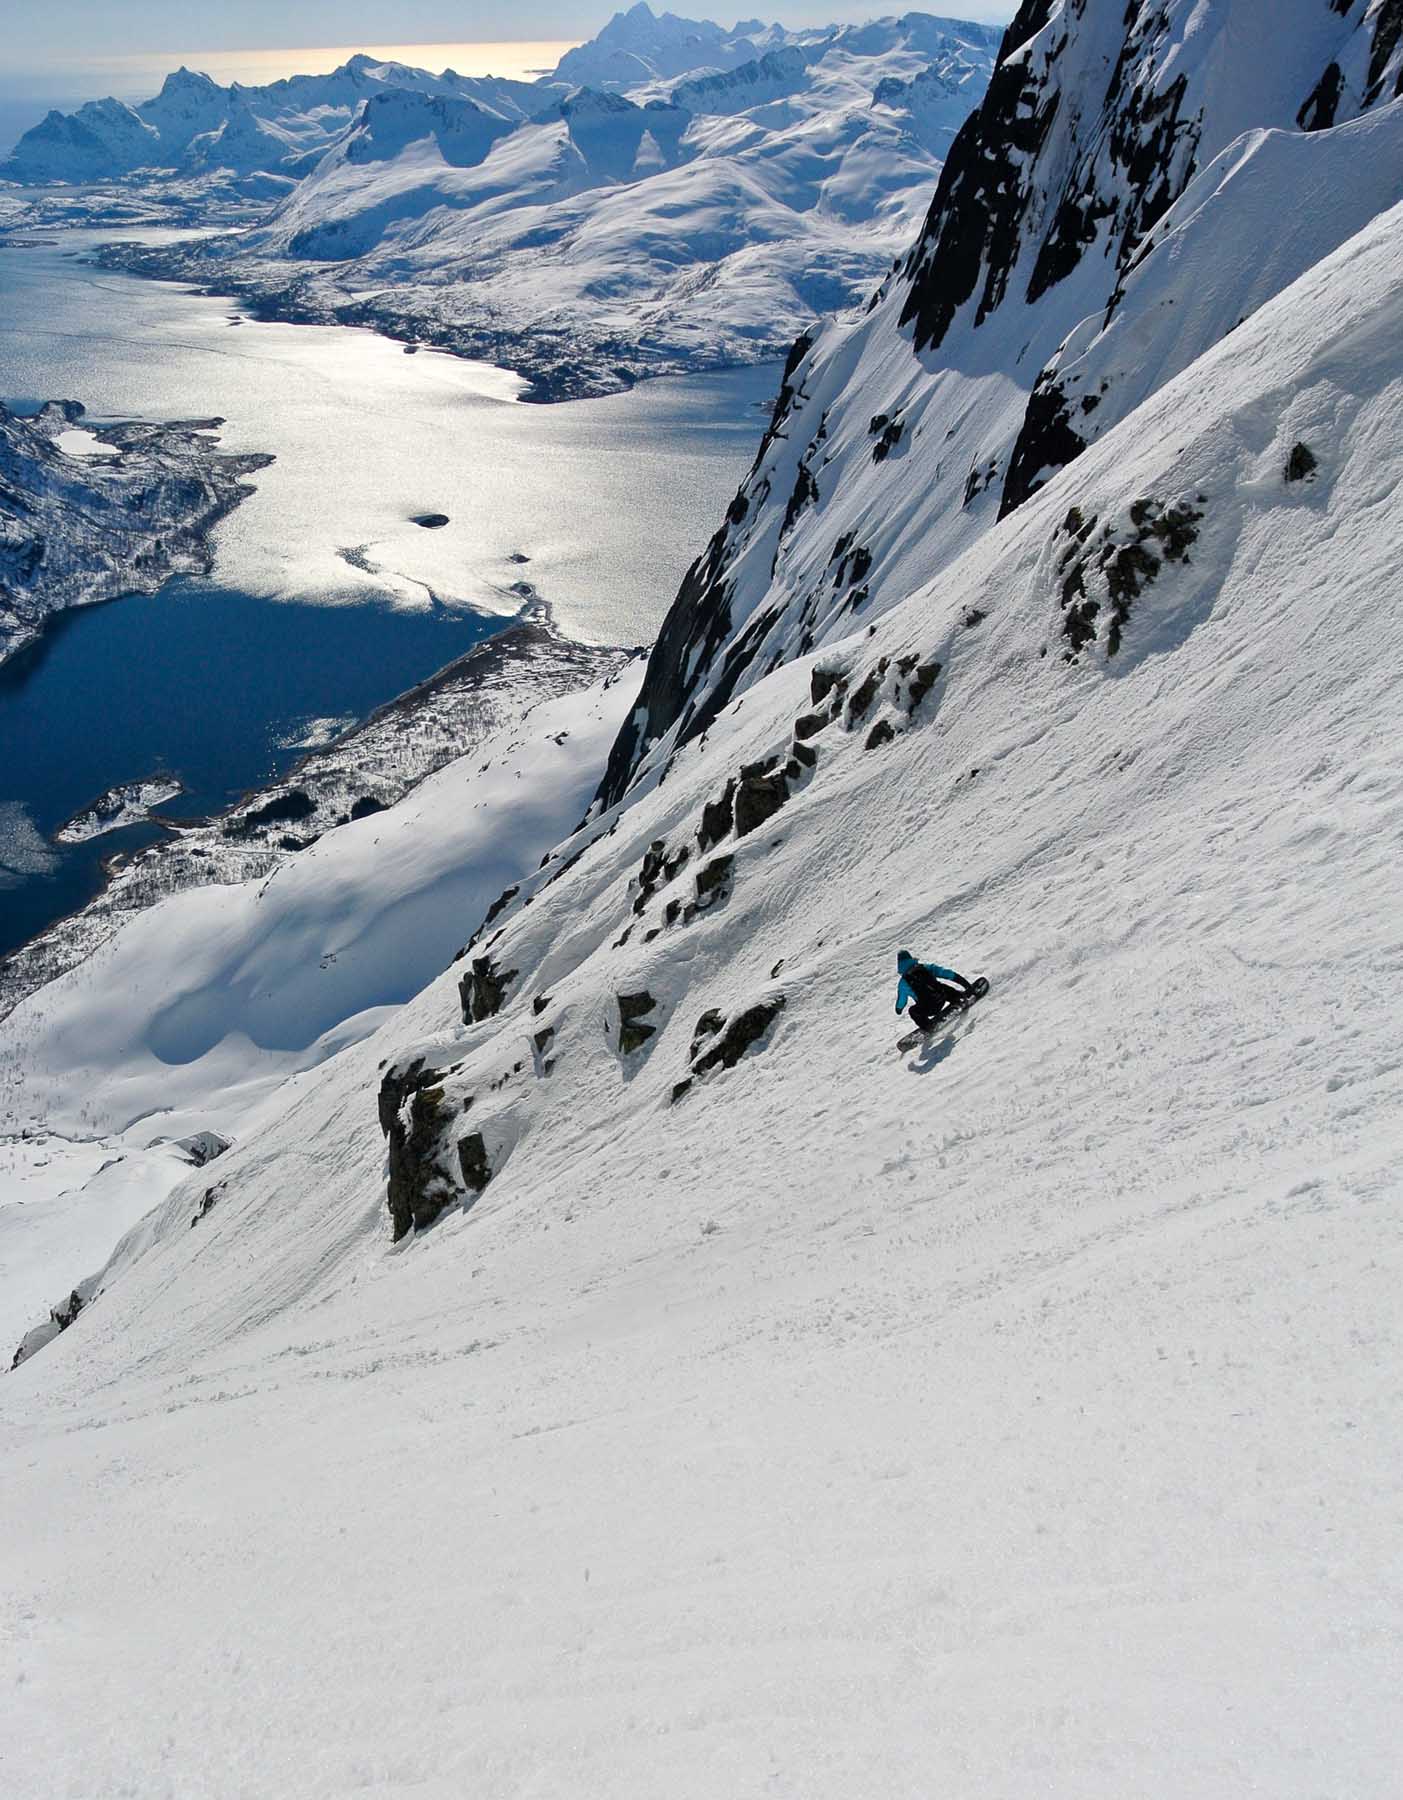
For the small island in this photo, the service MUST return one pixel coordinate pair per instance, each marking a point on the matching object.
(129, 803)
(76, 528)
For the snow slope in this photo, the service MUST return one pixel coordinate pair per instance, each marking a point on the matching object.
(193, 1011)
(692, 221)
(1013, 1418)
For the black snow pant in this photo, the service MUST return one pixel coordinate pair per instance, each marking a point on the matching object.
(928, 1010)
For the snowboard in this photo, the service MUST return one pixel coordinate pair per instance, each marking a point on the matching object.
(980, 986)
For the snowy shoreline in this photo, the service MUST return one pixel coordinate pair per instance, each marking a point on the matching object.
(363, 769)
(78, 529)
(126, 803)
(555, 371)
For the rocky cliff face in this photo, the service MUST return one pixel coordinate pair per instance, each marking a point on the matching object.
(1119, 202)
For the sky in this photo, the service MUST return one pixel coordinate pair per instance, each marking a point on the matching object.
(62, 52)
(63, 33)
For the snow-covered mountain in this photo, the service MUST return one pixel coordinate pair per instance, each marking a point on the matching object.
(617, 1356)
(85, 516)
(1072, 262)
(639, 45)
(693, 221)
(194, 126)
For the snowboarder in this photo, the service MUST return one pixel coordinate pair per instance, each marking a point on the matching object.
(924, 985)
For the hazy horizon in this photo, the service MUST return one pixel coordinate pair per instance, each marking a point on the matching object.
(27, 96)
(128, 52)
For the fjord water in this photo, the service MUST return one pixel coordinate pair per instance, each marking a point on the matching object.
(326, 598)
(609, 498)
(224, 689)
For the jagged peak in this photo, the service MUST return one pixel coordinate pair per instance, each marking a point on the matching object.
(587, 101)
(184, 77)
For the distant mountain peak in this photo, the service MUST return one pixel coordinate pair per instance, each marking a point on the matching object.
(184, 77)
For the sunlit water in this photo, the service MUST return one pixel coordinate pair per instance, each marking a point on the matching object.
(609, 498)
(326, 598)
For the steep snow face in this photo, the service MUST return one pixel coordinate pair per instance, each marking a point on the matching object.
(76, 527)
(1068, 266)
(842, 1423)
(1181, 293)
(688, 223)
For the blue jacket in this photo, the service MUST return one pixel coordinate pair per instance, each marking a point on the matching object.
(905, 992)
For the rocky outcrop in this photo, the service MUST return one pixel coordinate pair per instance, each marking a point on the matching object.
(415, 1117)
(697, 626)
(720, 1043)
(762, 790)
(1301, 464)
(59, 1319)
(203, 1147)
(1110, 571)
(717, 816)
(975, 228)
(483, 990)
(634, 1032)
(660, 867)
(473, 1164)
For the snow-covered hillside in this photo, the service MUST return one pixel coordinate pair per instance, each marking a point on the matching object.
(190, 1010)
(621, 1372)
(1010, 1417)
(86, 516)
(694, 220)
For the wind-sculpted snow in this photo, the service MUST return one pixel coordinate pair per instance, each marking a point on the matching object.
(75, 529)
(1294, 197)
(1133, 185)
(762, 1409)
(692, 221)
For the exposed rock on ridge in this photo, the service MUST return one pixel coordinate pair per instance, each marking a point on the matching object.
(1082, 208)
